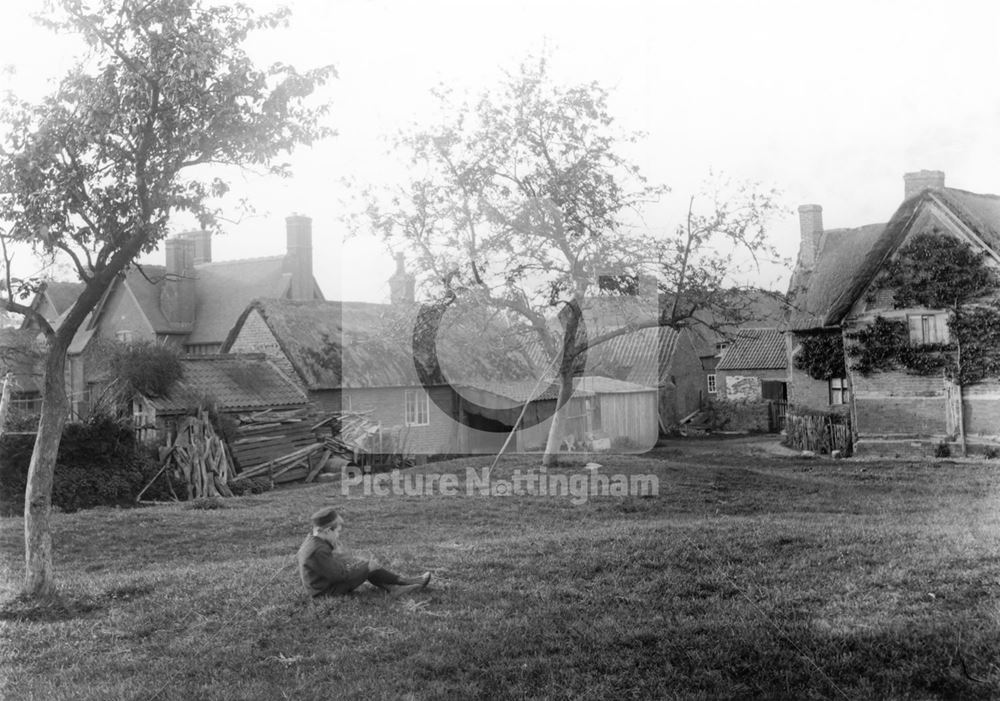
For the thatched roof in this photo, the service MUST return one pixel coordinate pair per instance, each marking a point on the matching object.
(843, 254)
(755, 349)
(335, 344)
(246, 382)
(849, 259)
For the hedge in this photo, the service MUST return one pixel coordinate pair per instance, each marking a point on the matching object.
(99, 464)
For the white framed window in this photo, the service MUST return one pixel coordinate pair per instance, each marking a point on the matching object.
(927, 328)
(712, 389)
(840, 391)
(417, 404)
(124, 336)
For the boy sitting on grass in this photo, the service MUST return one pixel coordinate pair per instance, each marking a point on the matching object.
(328, 569)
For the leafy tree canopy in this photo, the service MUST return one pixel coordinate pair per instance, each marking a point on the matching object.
(130, 137)
(937, 271)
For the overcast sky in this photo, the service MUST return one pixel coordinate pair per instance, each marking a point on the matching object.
(829, 102)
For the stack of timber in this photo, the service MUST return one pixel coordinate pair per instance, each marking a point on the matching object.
(294, 446)
(198, 459)
(352, 434)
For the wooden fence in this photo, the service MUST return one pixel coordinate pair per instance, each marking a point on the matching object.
(820, 433)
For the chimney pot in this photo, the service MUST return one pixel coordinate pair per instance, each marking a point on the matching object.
(402, 285)
(916, 182)
(202, 245)
(811, 231)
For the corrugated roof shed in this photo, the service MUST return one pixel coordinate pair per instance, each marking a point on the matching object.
(247, 382)
(525, 390)
(755, 349)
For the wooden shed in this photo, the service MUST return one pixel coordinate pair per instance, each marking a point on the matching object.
(603, 414)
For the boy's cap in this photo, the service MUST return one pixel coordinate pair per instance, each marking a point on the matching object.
(324, 517)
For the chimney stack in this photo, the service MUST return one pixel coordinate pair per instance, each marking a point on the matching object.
(177, 299)
(298, 257)
(202, 245)
(811, 230)
(916, 182)
(402, 285)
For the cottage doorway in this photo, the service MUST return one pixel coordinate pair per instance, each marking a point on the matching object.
(775, 393)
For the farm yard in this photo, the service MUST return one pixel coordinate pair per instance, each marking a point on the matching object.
(751, 574)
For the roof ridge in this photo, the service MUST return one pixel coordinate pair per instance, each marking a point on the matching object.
(223, 356)
(238, 260)
(988, 195)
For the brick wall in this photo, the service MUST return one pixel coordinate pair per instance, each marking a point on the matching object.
(804, 392)
(897, 403)
(121, 313)
(256, 337)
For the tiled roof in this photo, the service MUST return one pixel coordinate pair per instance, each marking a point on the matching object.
(755, 349)
(225, 289)
(146, 285)
(222, 291)
(236, 382)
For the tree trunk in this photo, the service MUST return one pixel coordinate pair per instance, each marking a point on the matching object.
(963, 443)
(4, 403)
(558, 418)
(39, 577)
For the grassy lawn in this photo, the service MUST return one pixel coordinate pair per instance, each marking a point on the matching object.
(749, 575)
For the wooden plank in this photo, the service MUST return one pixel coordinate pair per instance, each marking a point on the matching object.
(324, 459)
(291, 476)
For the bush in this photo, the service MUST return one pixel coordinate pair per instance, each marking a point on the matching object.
(738, 415)
(991, 453)
(942, 450)
(99, 464)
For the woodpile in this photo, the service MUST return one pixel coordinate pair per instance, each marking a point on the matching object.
(298, 446)
(198, 459)
(276, 446)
